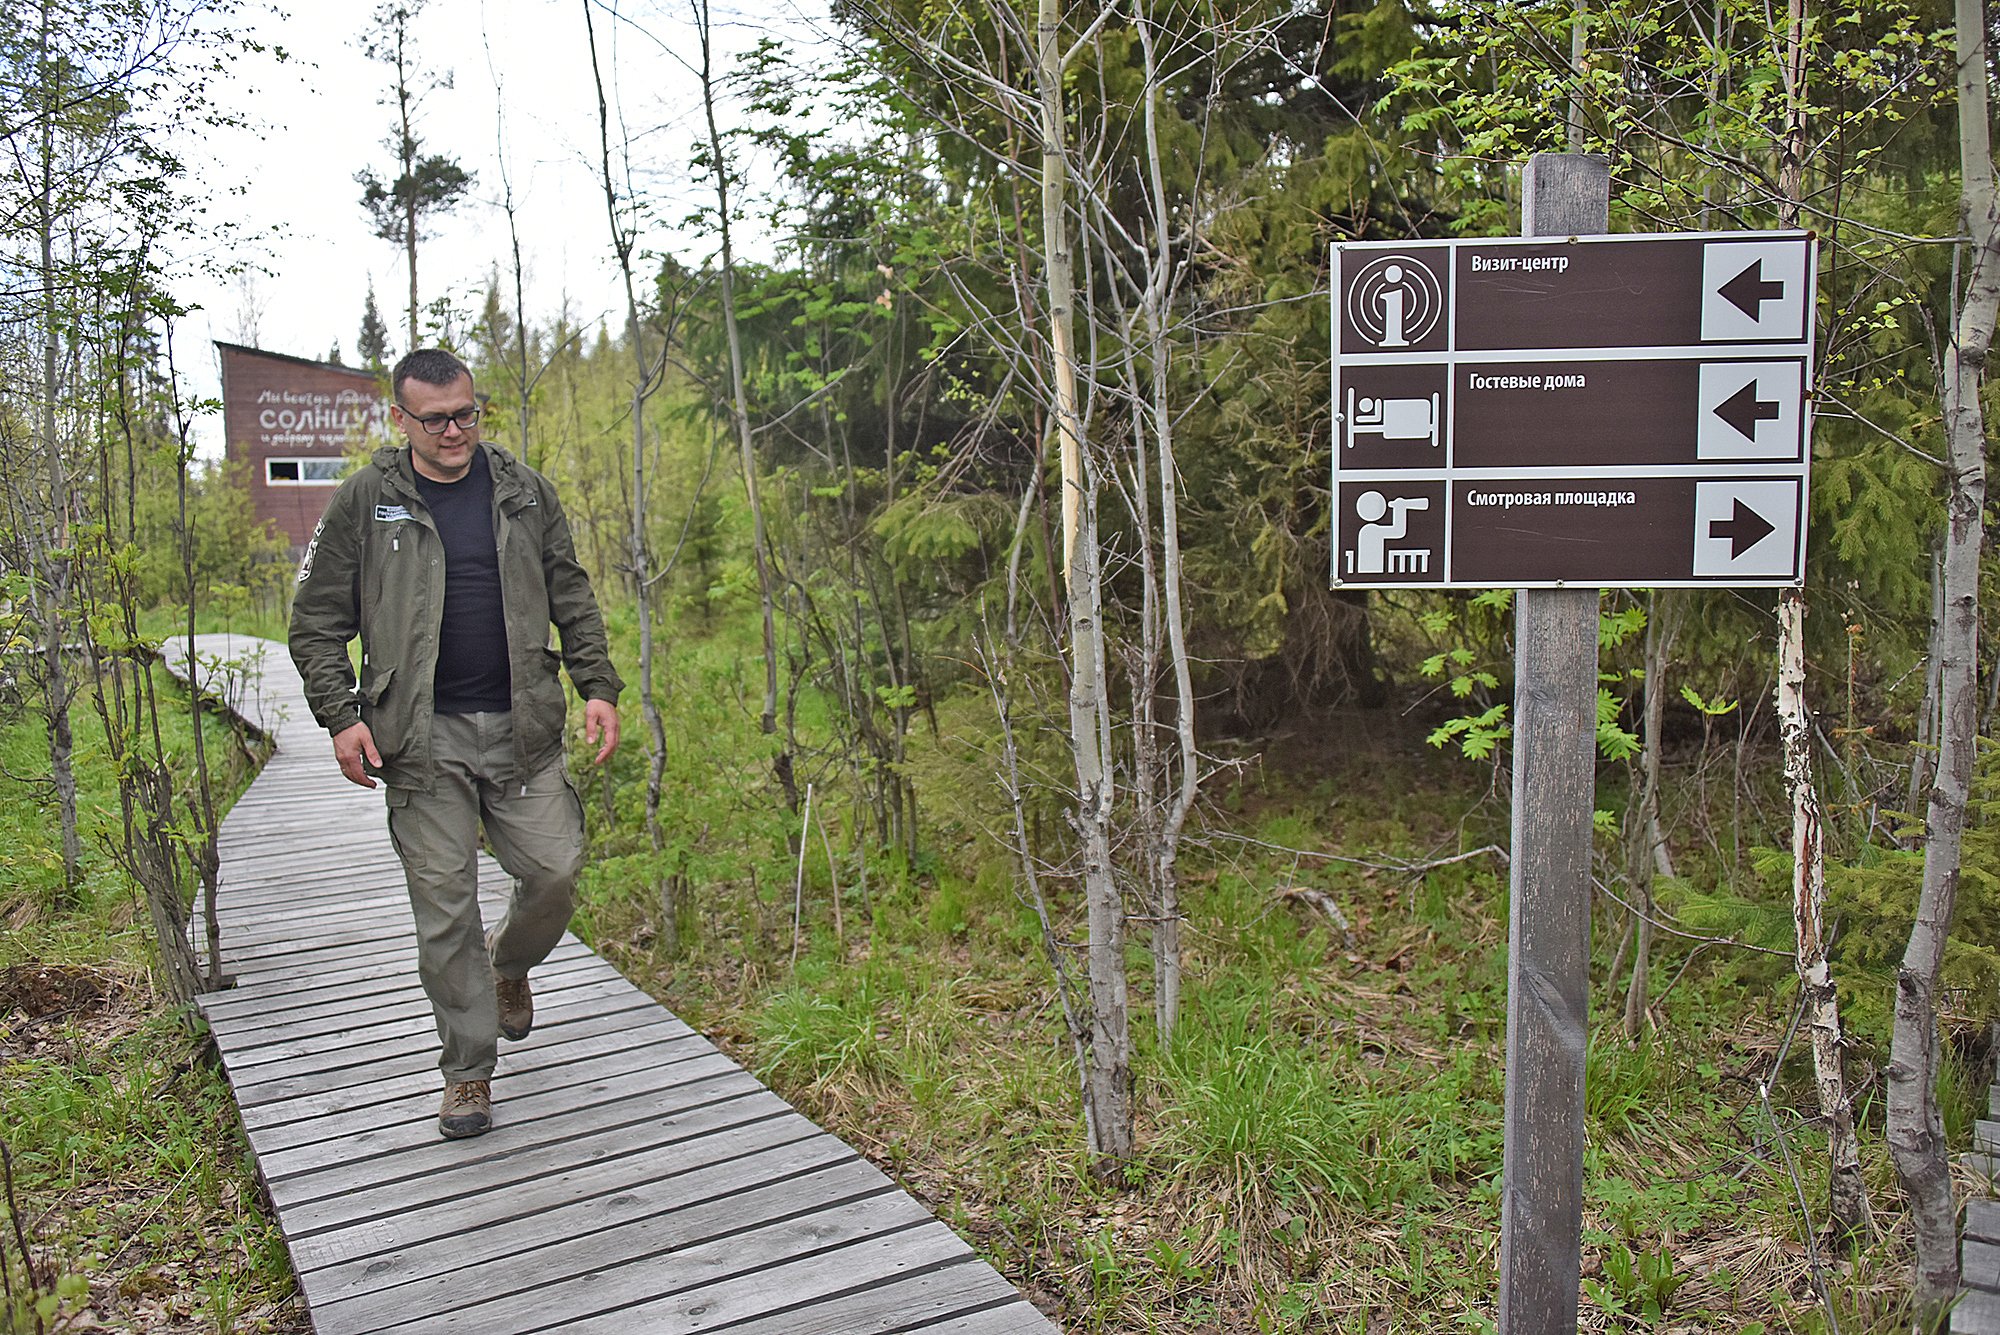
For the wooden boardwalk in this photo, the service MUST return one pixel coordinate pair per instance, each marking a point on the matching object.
(1978, 1313)
(636, 1180)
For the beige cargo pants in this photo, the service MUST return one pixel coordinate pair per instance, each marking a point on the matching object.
(535, 826)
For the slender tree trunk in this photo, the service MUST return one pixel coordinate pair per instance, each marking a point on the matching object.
(407, 153)
(739, 402)
(1108, 1080)
(1166, 857)
(203, 851)
(1642, 859)
(1052, 946)
(1847, 1204)
(1915, 1127)
(51, 580)
(519, 372)
(645, 378)
(1925, 750)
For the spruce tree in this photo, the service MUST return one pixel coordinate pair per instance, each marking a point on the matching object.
(373, 343)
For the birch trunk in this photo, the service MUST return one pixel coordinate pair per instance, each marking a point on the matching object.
(49, 538)
(50, 600)
(1926, 744)
(645, 377)
(1166, 856)
(1847, 1191)
(1915, 1128)
(1108, 1078)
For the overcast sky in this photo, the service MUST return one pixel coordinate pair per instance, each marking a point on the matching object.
(321, 117)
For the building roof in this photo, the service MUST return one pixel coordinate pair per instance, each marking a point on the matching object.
(296, 361)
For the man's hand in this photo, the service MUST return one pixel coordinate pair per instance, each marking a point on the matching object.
(355, 743)
(601, 716)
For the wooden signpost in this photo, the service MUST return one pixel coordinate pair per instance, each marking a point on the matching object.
(1548, 913)
(1556, 417)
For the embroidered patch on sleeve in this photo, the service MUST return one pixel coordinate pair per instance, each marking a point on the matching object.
(306, 561)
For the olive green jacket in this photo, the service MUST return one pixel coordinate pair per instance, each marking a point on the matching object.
(375, 568)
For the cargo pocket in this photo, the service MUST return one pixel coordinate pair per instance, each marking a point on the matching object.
(408, 848)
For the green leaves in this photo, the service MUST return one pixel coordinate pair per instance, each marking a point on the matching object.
(1477, 735)
(1715, 708)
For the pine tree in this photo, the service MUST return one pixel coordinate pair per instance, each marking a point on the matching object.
(425, 183)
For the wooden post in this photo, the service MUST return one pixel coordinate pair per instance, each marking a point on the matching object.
(1548, 920)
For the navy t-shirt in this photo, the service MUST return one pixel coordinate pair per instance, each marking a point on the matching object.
(472, 673)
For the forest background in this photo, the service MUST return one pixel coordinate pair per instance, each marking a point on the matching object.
(1004, 784)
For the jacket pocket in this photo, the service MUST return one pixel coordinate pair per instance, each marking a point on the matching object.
(375, 683)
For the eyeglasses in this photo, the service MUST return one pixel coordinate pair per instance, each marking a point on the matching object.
(437, 426)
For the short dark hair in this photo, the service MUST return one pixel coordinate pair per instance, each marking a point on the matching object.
(433, 366)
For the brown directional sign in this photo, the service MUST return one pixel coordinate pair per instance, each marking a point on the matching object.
(1597, 410)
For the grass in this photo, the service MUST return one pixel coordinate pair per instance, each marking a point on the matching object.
(131, 1175)
(1321, 1141)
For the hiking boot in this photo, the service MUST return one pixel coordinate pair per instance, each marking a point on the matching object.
(467, 1109)
(516, 1001)
(517, 1006)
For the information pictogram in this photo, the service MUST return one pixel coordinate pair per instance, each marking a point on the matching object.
(1530, 412)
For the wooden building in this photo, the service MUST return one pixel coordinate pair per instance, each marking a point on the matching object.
(293, 428)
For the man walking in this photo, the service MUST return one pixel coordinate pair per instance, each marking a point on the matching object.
(451, 559)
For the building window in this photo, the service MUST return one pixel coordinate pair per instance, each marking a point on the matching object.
(304, 472)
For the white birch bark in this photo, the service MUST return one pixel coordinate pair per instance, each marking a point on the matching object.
(1915, 1127)
(1847, 1191)
(646, 375)
(1108, 1079)
(1166, 853)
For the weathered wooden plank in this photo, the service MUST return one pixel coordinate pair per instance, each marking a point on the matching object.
(668, 1171)
(308, 933)
(640, 1261)
(312, 1076)
(531, 1112)
(1976, 1314)
(299, 956)
(1982, 1220)
(938, 1302)
(407, 1173)
(1014, 1315)
(518, 1255)
(659, 1044)
(787, 1286)
(294, 913)
(360, 989)
(384, 964)
(339, 1032)
(362, 999)
(1979, 1263)
(725, 1130)
(605, 1036)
